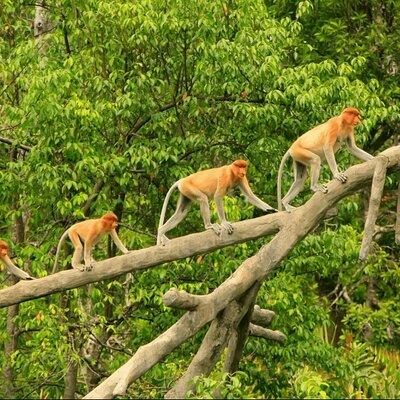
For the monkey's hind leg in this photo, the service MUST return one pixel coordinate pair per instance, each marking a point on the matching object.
(182, 208)
(205, 213)
(315, 168)
(300, 176)
(87, 254)
(78, 252)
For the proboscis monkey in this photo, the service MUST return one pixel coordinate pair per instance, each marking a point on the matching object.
(206, 185)
(318, 144)
(89, 232)
(11, 268)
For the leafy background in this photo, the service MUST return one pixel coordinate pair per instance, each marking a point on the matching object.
(133, 96)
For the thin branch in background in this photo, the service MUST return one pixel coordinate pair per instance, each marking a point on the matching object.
(11, 142)
(152, 235)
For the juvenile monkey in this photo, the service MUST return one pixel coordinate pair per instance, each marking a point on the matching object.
(89, 232)
(318, 144)
(11, 268)
(206, 185)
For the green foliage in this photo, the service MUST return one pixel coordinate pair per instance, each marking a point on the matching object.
(138, 95)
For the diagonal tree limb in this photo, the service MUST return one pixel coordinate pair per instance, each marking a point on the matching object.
(378, 182)
(256, 268)
(213, 344)
(187, 246)
(239, 336)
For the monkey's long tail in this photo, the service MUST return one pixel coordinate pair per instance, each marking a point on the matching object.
(279, 184)
(13, 269)
(60, 243)
(165, 204)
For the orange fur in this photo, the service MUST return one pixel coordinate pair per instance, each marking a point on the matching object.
(318, 144)
(13, 269)
(89, 232)
(210, 184)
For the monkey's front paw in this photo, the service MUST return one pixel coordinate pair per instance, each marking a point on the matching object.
(320, 188)
(88, 267)
(216, 228)
(341, 177)
(227, 226)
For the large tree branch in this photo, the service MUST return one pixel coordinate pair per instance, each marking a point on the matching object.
(256, 268)
(304, 218)
(187, 246)
(214, 343)
(378, 182)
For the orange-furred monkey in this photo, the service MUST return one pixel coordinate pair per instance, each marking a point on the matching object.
(89, 232)
(319, 143)
(11, 268)
(206, 185)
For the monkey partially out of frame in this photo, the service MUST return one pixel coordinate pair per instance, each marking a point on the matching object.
(318, 144)
(11, 268)
(202, 186)
(84, 235)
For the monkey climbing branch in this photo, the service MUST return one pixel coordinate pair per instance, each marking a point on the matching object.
(206, 308)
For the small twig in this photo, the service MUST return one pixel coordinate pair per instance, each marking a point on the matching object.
(138, 231)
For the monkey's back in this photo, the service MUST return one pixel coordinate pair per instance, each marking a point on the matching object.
(314, 139)
(206, 181)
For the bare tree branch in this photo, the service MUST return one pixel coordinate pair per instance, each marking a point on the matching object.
(213, 344)
(378, 182)
(255, 269)
(262, 317)
(187, 246)
(266, 333)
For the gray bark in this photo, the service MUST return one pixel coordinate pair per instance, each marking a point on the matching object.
(213, 344)
(262, 317)
(378, 182)
(294, 227)
(187, 246)
(41, 26)
(239, 335)
(269, 334)
(71, 380)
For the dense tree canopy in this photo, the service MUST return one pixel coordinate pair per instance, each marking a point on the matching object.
(114, 102)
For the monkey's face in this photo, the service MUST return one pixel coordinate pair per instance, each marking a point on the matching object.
(241, 171)
(356, 120)
(3, 251)
(112, 224)
(351, 118)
